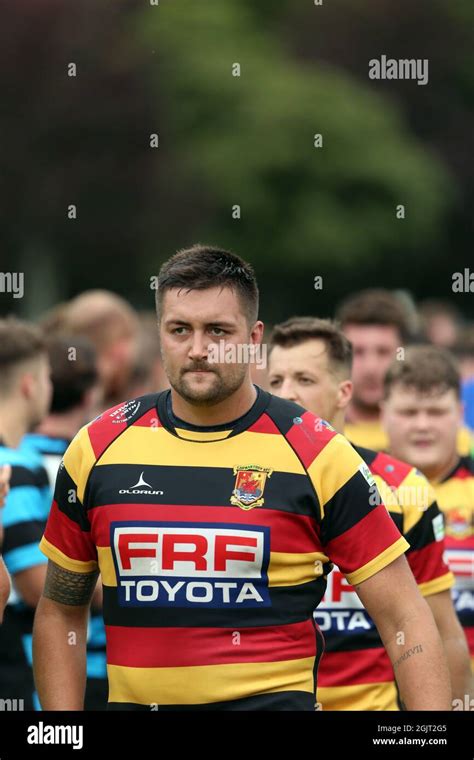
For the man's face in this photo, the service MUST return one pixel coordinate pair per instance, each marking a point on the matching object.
(192, 326)
(303, 374)
(374, 349)
(41, 390)
(422, 428)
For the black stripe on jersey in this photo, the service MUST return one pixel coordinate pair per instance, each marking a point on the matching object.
(283, 413)
(350, 504)
(65, 495)
(289, 604)
(397, 518)
(422, 534)
(368, 455)
(279, 700)
(243, 423)
(22, 534)
(24, 476)
(195, 486)
(341, 642)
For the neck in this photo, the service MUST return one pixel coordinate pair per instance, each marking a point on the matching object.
(13, 424)
(437, 473)
(225, 411)
(357, 413)
(61, 425)
(337, 421)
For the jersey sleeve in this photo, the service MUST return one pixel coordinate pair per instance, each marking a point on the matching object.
(67, 539)
(423, 528)
(357, 532)
(24, 517)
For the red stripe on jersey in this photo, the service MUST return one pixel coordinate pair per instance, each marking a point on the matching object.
(264, 424)
(362, 543)
(395, 474)
(67, 536)
(427, 563)
(356, 667)
(462, 473)
(309, 438)
(469, 633)
(289, 532)
(181, 647)
(150, 419)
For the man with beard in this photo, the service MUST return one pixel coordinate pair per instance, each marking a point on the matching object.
(213, 512)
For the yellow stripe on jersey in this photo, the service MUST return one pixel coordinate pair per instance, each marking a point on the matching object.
(328, 479)
(204, 684)
(294, 569)
(366, 696)
(196, 435)
(140, 444)
(79, 460)
(75, 565)
(387, 495)
(107, 567)
(443, 583)
(389, 555)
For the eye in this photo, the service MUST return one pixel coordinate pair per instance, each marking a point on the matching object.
(218, 331)
(306, 381)
(179, 330)
(275, 382)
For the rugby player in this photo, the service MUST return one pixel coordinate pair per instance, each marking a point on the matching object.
(310, 364)
(422, 413)
(213, 512)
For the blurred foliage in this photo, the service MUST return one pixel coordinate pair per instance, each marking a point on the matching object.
(226, 140)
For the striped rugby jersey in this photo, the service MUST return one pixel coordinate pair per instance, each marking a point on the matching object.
(455, 496)
(355, 672)
(214, 545)
(24, 519)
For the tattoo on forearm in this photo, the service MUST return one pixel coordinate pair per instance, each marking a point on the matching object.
(407, 654)
(67, 587)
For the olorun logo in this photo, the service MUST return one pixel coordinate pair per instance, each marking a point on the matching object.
(45, 734)
(141, 486)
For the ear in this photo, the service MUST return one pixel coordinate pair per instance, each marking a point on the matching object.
(344, 394)
(256, 333)
(27, 385)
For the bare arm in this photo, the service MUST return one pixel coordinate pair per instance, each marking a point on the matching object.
(410, 636)
(455, 644)
(59, 638)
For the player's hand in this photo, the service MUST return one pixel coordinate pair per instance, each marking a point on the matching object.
(5, 475)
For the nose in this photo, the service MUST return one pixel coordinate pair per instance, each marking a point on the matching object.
(287, 390)
(199, 347)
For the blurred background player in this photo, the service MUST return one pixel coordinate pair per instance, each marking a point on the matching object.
(111, 325)
(77, 396)
(422, 413)
(147, 374)
(310, 364)
(378, 325)
(25, 395)
(5, 586)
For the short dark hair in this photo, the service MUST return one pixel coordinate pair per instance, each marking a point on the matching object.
(203, 266)
(19, 342)
(297, 330)
(71, 377)
(374, 307)
(427, 369)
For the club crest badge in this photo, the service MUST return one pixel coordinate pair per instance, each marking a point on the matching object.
(249, 486)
